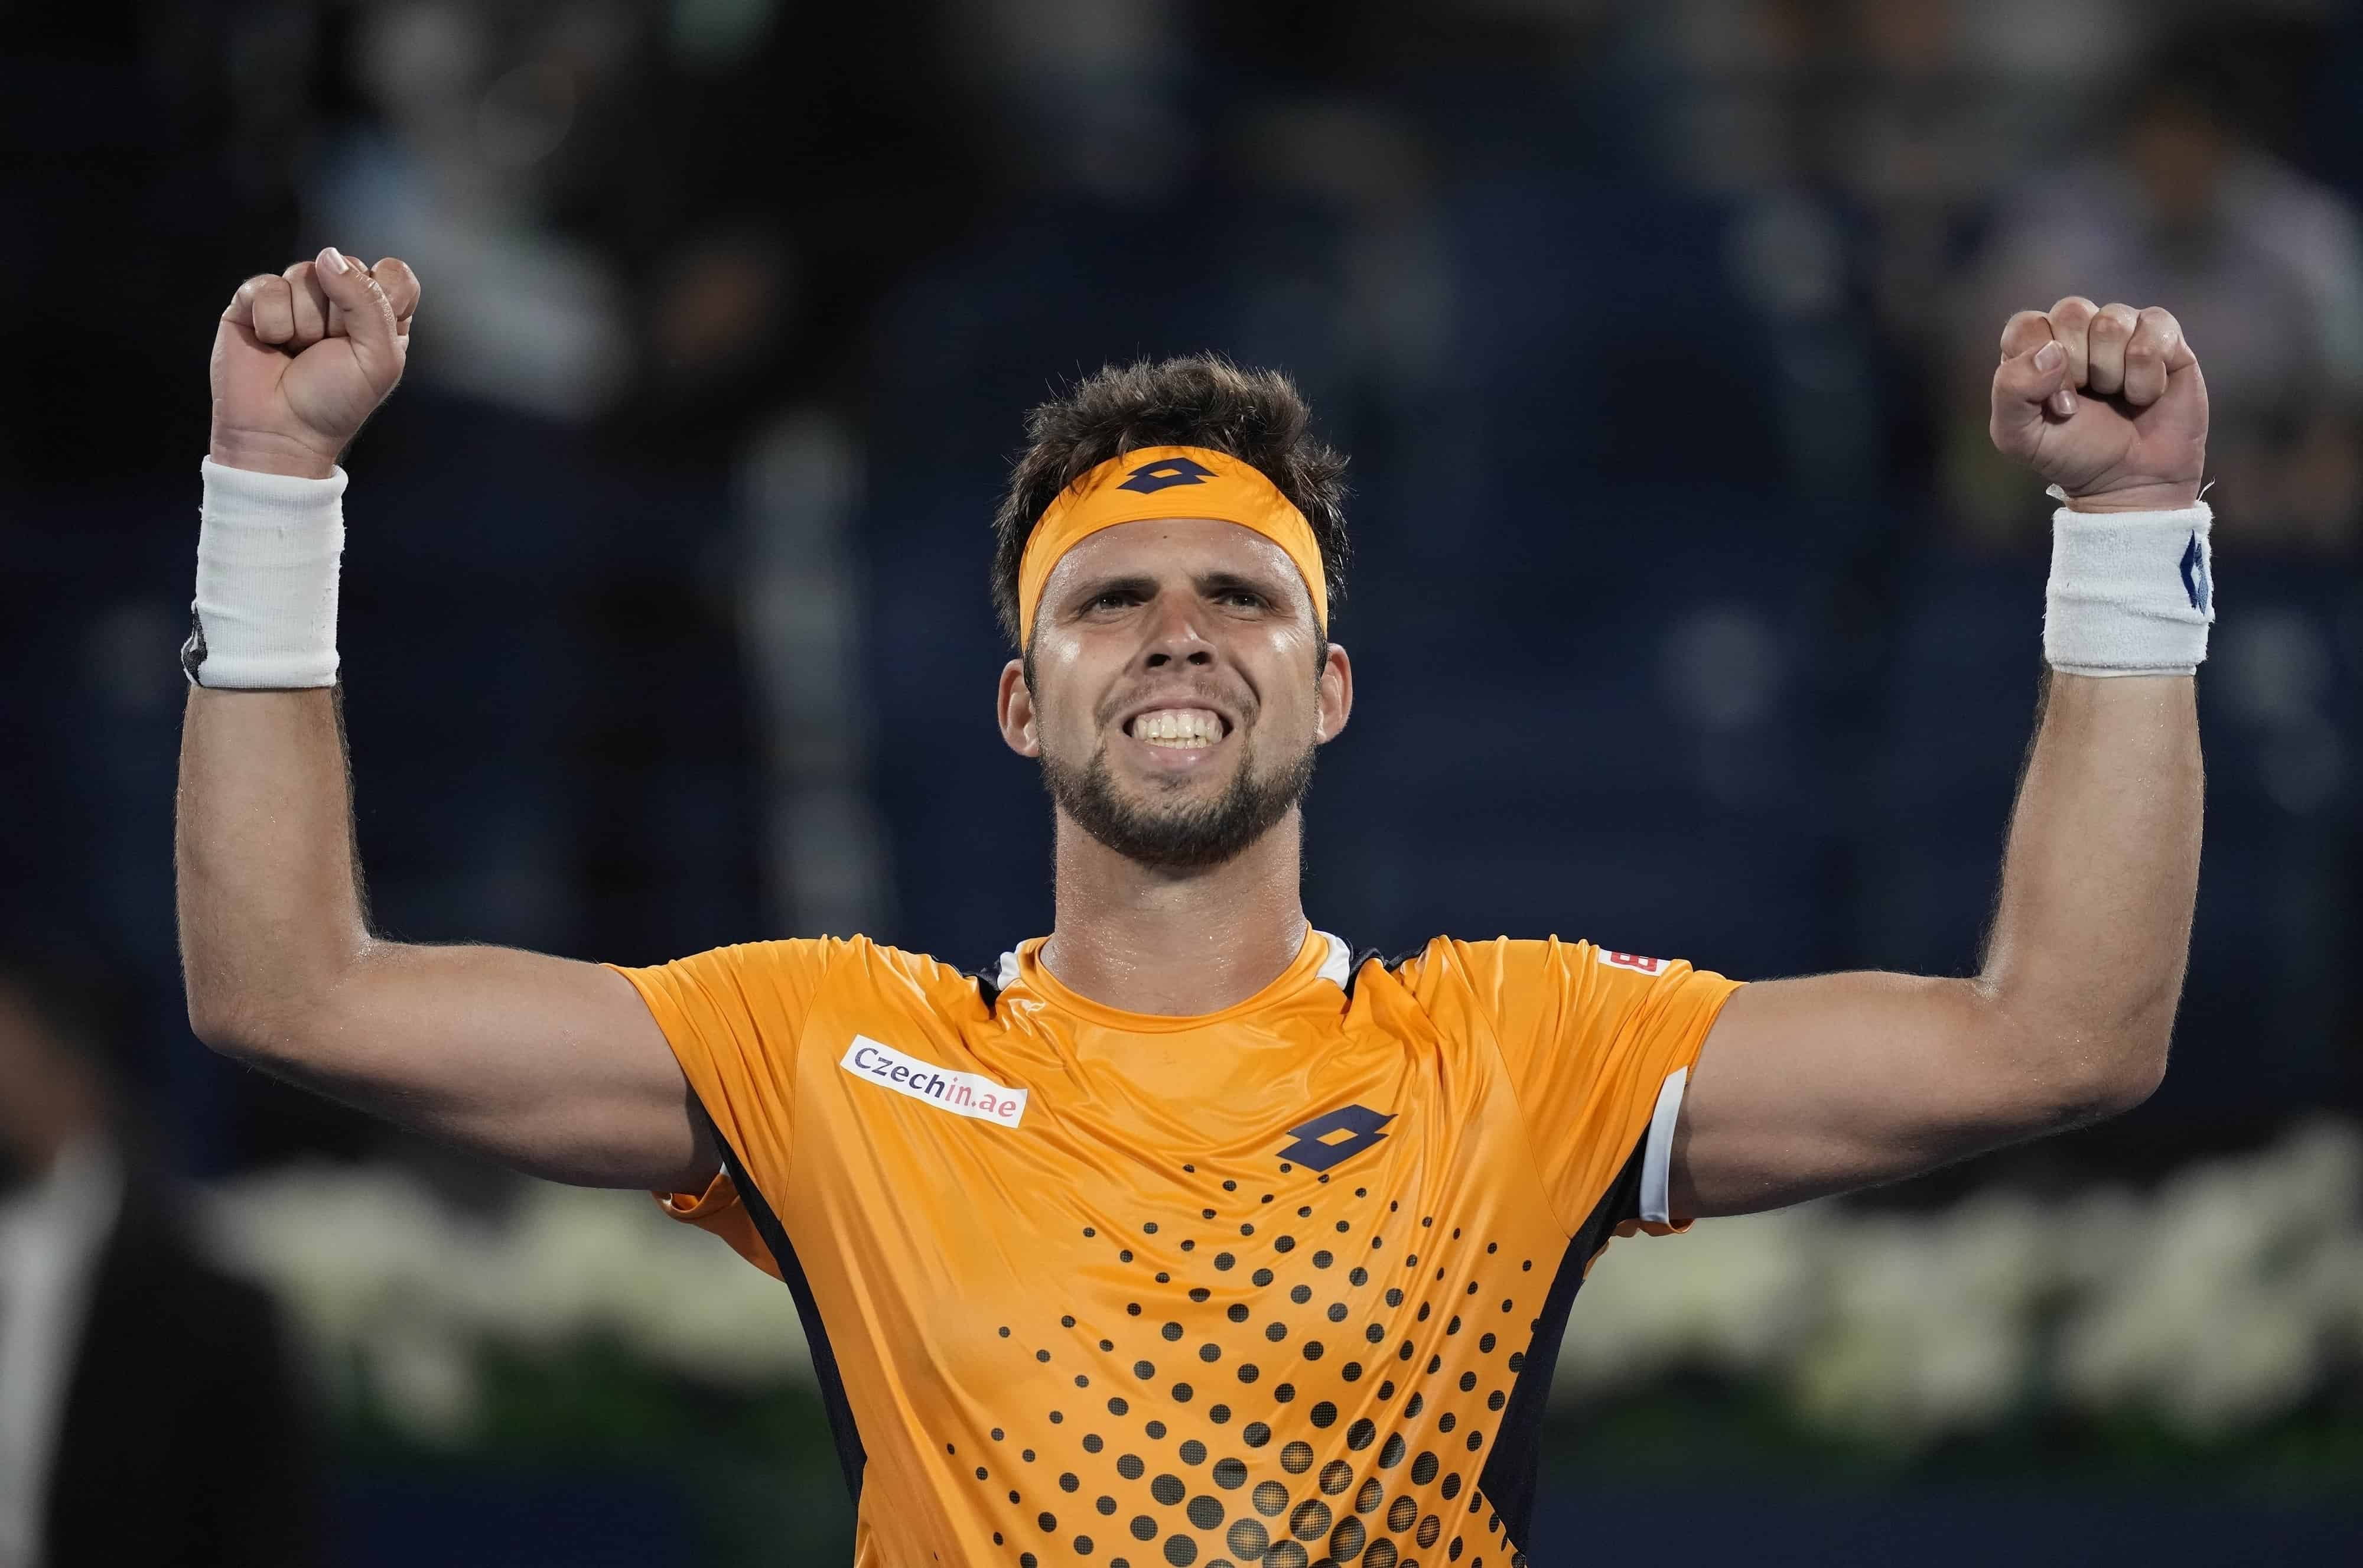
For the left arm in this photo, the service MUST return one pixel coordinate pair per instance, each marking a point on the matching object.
(1817, 1085)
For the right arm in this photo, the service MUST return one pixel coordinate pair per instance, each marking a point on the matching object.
(547, 1064)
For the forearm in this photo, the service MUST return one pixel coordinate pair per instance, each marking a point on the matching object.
(268, 892)
(2084, 965)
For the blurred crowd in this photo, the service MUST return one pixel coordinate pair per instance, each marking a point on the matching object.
(1692, 613)
(1693, 610)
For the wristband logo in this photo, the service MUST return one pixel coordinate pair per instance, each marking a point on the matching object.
(962, 1093)
(2194, 574)
(192, 652)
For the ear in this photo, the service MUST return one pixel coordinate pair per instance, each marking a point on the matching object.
(1017, 710)
(1337, 693)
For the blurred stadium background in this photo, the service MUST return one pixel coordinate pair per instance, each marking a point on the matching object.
(1691, 614)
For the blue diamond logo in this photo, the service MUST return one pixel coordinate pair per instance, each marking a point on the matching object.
(1314, 1146)
(1150, 478)
(2194, 572)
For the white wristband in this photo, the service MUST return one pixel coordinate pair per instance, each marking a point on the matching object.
(265, 614)
(2131, 593)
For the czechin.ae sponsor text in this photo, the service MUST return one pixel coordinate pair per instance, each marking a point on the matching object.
(962, 1093)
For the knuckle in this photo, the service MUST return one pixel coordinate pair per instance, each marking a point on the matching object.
(2073, 308)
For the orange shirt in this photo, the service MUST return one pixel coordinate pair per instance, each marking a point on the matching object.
(1279, 1285)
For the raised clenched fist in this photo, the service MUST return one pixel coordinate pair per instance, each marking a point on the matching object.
(303, 357)
(2105, 401)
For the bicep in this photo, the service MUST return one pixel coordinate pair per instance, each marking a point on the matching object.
(548, 1064)
(1812, 1086)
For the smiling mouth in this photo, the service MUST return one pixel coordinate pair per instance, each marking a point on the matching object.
(1178, 729)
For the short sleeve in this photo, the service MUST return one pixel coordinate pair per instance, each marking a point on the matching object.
(718, 1212)
(734, 1017)
(1598, 1046)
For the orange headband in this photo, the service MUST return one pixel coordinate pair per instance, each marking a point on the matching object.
(1150, 483)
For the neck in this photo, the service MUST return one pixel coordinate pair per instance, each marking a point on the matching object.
(1175, 943)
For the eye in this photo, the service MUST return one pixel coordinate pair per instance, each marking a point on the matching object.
(1113, 599)
(1244, 598)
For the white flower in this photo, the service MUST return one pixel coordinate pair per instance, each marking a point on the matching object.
(2220, 1300)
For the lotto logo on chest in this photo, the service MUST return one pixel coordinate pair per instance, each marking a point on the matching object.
(962, 1093)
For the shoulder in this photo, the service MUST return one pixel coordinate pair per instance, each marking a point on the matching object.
(871, 974)
(860, 958)
(810, 954)
(1518, 981)
(799, 971)
(1462, 986)
(1445, 964)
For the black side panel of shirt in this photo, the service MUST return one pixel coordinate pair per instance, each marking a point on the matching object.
(1511, 1468)
(848, 1437)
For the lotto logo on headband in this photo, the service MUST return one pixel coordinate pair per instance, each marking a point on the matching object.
(1165, 474)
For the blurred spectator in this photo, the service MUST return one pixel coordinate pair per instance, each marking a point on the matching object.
(674, 219)
(1859, 142)
(148, 1412)
(2263, 266)
(449, 174)
(1083, 91)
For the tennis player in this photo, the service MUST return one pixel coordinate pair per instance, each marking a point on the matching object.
(1183, 1234)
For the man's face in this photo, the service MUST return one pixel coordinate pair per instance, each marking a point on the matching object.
(1179, 686)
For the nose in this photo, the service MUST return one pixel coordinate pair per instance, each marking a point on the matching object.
(1173, 636)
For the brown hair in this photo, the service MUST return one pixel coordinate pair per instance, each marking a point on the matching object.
(1198, 400)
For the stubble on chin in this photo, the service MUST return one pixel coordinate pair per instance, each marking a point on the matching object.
(1180, 836)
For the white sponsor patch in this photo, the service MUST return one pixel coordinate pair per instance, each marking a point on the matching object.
(1630, 960)
(962, 1093)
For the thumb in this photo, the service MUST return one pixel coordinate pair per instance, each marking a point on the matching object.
(2022, 386)
(369, 316)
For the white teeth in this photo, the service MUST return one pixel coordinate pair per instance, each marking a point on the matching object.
(1178, 727)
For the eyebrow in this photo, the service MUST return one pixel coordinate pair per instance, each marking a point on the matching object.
(1212, 584)
(1209, 584)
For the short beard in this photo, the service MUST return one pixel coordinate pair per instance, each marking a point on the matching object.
(1190, 839)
